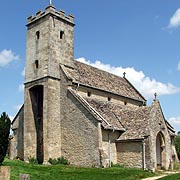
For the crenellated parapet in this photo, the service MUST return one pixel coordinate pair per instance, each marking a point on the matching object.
(51, 10)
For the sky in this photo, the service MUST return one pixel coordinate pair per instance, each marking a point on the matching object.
(139, 37)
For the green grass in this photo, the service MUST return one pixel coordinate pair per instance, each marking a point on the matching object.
(45, 172)
(171, 177)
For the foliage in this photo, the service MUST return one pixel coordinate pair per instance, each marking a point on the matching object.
(33, 160)
(177, 166)
(60, 160)
(5, 124)
(45, 172)
(177, 144)
(117, 165)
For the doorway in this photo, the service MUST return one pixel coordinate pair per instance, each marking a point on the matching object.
(160, 148)
(36, 94)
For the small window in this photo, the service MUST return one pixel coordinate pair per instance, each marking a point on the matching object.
(88, 94)
(36, 64)
(37, 35)
(61, 34)
(109, 98)
(125, 103)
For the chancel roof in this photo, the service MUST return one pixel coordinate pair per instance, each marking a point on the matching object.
(95, 78)
(133, 119)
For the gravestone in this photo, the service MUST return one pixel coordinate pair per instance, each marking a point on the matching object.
(4, 172)
(24, 177)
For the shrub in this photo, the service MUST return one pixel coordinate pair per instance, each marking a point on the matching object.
(33, 160)
(5, 124)
(177, 144)
(117, 165)
(60, 160)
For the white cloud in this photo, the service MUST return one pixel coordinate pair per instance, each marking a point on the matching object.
(179, 66)
(23, 72)
(11, 118)
(146, 86)
(18, 107)
(175, 20)
(7, 56)
(175, 122)
(21, 88)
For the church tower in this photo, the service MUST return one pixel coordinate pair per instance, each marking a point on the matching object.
(50, 43)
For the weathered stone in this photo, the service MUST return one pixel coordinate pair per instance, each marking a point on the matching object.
(24, 177)
(4, 173)
(87, 115)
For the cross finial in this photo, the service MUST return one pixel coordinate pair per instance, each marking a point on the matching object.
(155, 95)
(50, 1)
(124, 74)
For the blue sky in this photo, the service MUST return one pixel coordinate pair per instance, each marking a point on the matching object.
(139, 37)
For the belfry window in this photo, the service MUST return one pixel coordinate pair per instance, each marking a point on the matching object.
(61, 34)
(37, 35)
(36, 64)
(88, 93)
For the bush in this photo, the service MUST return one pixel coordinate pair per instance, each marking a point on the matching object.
(177, 144)
(5, 124)
(33, 160)
(117, 165)
(60, 160)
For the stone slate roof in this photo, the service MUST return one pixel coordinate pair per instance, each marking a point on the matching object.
(108, 122)
(133, 119)
(90, 76)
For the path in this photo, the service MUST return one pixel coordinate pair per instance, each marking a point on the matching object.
(158, 177)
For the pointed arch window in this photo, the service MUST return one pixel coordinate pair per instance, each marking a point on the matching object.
(37, 35)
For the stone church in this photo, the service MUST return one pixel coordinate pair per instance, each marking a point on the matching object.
(89, 116)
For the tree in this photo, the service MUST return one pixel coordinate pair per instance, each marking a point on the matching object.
(177, 144)
(5, 124)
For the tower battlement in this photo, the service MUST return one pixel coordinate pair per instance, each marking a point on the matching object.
(51, 10)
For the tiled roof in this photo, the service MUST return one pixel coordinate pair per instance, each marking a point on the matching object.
(110, 123)
(94, 77)
(133, 119)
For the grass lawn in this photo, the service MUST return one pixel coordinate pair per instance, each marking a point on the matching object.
(171, 177)
(45, 172)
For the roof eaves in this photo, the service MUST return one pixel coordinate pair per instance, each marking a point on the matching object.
(85, 85)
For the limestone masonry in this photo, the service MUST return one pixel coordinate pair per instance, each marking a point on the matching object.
(89, 116)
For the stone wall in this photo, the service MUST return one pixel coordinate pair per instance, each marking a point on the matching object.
(46, 46)
(51, 120)
(16, 146)
(109, 147)
(130, 154)
(4, 172)
(80, 139)
(157, 125)
(107, 96)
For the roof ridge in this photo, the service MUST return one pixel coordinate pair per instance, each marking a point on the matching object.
(98, 69)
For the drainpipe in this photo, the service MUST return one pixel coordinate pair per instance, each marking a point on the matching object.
(143, 155)
(109, 149)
